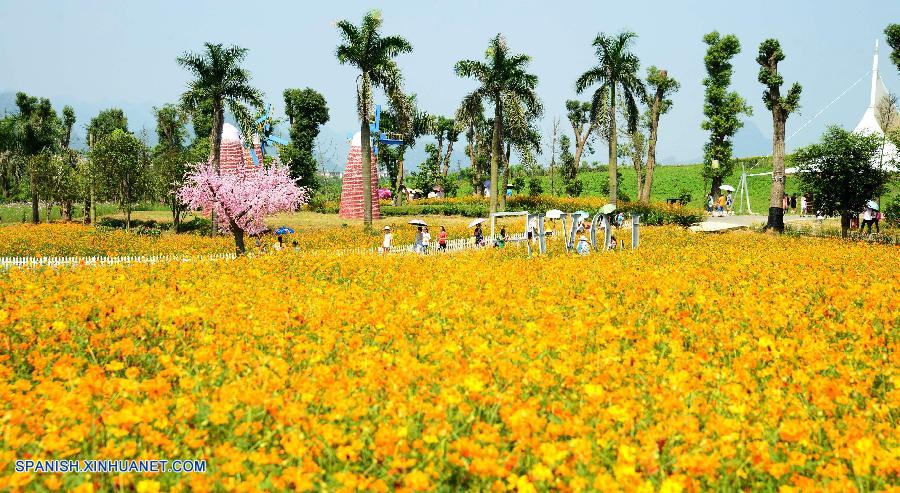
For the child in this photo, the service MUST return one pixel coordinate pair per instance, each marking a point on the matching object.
(388, 240)
(583, 247)
(612, 243)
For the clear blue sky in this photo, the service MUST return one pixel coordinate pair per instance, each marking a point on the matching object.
(95, 54)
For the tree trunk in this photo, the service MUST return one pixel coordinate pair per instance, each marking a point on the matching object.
(67, 210)
(636, 158)
(505, 177)
(87, 209)
(366, 171)
(651, 146)
(215, 152)
(477, 183)
(440, 155)
(127, 218)
(398, 196)
(447, 158)
(176, 214)
(238, 234)
(35, 212)
(495, 151)
(845, 223)
(716, 183)
(93, 200)
(48, 211)
(613, 142)
(776, 198)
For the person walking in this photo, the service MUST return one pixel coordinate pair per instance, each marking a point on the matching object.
(709, 203)
(426, 240)
(793, 203)
(479, 235)
(876, 219)
(418, 244)
(279, 245)
(442, 239)
(729, 202)
(802, 205)
(867, 220)
(784, 203)
(388, 241)
(721, 208)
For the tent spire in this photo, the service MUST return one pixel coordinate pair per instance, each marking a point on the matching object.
(872, 95)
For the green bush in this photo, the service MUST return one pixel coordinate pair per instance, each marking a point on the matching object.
(891, 213)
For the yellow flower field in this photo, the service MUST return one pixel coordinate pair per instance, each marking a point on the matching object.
(727, 362)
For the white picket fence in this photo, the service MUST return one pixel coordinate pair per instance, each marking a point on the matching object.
(455, 245)
(7, 262)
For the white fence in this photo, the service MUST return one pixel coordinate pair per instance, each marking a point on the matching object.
(455, 245)
(7, 262)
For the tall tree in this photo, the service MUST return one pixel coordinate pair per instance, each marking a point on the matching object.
(568, 168)
(124, 162)
(502, 78)
(842, 172)
(892, 32)
(68, 122)
(660, 86)
(616, 70)
(105, 123)
(41, 130)
(169, 160)
(373, 55)
(10, 154)
(306, 110)
(721, 107)
(519, 132)
(445, 129)
(391, 158)
(585, 125)
(102, 125)
(219, 83)
(781, 107)
(470, 116)
(67, 166)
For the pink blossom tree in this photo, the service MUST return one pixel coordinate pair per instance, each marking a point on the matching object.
(242, 200)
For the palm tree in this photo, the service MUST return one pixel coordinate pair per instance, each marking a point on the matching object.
(219, 82)
(503, 79)
(373, 54)
(617, 69)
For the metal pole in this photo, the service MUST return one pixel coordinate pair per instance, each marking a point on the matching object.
(608, 233)
(635, 230)
(542, 240)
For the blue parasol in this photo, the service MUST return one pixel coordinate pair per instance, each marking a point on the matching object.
(284, 230)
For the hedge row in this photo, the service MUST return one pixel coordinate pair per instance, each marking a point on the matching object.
(652, 214)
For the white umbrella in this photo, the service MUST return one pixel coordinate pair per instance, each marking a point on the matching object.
(554, 214)
(475, 222)
(418, 222)
(727, 187)
(608, 208)
(872, 205)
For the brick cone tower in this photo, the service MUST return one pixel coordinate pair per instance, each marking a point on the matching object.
(352, 186)
(234, 158)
